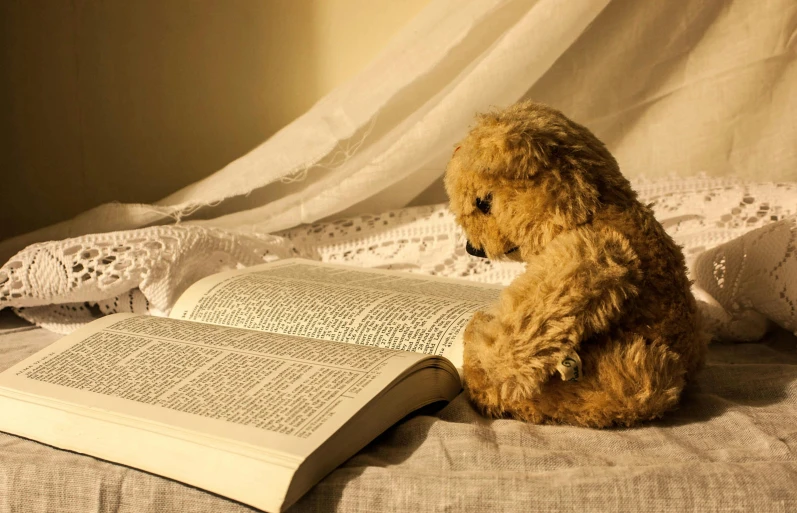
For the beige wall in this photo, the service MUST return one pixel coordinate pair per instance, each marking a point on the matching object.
(107, 100)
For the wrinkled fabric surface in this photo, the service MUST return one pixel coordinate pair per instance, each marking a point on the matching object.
(731, 446)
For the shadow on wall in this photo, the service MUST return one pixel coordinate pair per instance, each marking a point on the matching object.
(130, 101)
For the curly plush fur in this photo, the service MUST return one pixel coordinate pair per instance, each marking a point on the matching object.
(602, 279)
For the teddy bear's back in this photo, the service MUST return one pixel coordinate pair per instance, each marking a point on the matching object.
(665, 309)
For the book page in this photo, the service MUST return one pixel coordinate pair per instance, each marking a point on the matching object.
(369, 307)
(227, 385)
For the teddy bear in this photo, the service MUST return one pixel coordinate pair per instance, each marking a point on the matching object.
(601, 329)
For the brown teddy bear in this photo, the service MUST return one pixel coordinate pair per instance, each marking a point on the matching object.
(601, 329)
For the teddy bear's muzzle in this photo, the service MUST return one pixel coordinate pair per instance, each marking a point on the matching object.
(473, 251)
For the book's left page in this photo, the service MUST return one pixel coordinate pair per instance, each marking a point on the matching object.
(165, 395)
(369, 307)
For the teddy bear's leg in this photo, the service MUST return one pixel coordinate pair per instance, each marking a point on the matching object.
(623, 382)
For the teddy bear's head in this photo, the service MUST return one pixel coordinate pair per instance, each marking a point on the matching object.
(525, 174)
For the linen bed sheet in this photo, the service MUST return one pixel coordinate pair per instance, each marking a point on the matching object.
(731, 446)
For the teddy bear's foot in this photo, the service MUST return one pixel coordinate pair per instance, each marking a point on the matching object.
(624, 382)
(628, 382)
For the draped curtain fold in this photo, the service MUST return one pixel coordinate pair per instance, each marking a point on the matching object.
(699, 86)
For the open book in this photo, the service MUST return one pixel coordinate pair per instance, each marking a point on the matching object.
(261, 382)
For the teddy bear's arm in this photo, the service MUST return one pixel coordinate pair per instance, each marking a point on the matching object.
(581, 280)
(574, 288)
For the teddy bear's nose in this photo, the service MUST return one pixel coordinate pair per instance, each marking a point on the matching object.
(473, 251)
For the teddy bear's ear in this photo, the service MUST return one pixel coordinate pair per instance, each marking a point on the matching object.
(570, 197)
(569, 172)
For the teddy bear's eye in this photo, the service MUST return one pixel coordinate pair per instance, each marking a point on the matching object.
(483, 204)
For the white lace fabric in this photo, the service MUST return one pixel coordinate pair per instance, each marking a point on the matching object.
(738, 237)
(64, 284)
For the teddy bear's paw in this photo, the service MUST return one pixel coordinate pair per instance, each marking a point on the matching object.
(480, 329)
(481, 317)
(497, 399)
(497, 379)
(482, 391)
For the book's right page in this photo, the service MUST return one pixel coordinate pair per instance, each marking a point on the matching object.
(370, 307)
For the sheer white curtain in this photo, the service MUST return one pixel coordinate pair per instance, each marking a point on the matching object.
(695, 86)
